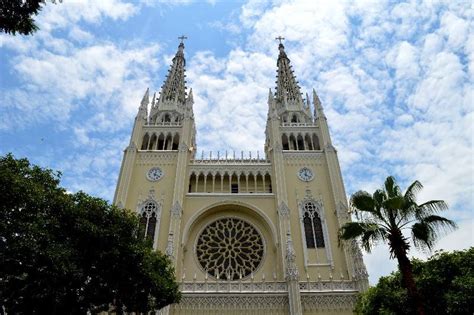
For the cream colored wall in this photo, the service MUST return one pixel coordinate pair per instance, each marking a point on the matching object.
(320, 188)
(140, 187)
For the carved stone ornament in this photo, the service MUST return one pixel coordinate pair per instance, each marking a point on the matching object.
(278, 147)
(176, 210)
(342, 212)
(359, 266)
(182, 147)
(169, 246)
(230, 249)
(283, 210)
(290, 256)
(132, 147)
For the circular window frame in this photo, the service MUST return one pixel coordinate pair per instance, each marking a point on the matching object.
(204, 271)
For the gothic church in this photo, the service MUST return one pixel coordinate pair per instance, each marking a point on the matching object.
(247, 235)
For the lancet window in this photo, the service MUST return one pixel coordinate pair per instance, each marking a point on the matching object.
(230, 182)
(312, 225)
(160, 141)
(300, 141)
(149, 219)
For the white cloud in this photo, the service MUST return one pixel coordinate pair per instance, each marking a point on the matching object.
(68, 13)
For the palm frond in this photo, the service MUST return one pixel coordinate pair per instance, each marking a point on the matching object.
(427, 230)
(412, 191)
(391, 187)
(394, 203)
(430, 207)
(362, 201)
(379, 196)
(369, 233)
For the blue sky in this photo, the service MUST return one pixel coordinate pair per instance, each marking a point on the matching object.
(396, 81)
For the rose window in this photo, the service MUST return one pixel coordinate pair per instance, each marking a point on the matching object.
(229, 249)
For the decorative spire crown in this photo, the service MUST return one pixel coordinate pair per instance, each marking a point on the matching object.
(287, 89)
(174, 88)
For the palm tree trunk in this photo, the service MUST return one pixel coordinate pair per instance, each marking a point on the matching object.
(406, 271)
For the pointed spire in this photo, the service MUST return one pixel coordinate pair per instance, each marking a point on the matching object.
(287, 86)
(318, 108)
(153, 100)
(190, 98)
(270, 95)
(143, 109)
(174, 88)
(146, 97)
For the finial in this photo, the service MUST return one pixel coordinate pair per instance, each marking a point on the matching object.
(146, 97)
(279, 38)
(182, 38)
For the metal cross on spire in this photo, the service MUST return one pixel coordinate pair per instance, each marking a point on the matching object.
(279, 38)
(182, 38)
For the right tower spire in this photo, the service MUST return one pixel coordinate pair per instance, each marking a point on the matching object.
(287, 89)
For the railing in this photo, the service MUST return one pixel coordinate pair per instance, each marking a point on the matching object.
(226, 158)
(295, 124)
(262, 286)
(164, 124)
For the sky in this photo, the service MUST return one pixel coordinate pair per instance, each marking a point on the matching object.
(396, 80)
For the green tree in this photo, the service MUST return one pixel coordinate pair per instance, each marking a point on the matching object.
(71, 253)
(445, 282)
(385, 214)
(17, 15)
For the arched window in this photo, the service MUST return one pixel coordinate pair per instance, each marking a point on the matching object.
(168, 142)
(313, 228)
(166, 118)
(152, 145)
(284, 142)
(316, 142)
(300, 142)
(175, 142)
(146, 139)
(161, 142)
(294, 118)
(148, 220)
(293, 144)
(308, 142)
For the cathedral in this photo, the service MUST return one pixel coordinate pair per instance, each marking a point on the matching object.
(246, 235)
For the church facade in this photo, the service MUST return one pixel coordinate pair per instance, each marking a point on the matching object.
(247, 235)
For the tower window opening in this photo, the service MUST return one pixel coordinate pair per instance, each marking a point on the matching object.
(284, 142)
(161, 141)
(312, 226)
(152, 145)
(300, 143)
(148, 220)
(146, 139)
(316, 144)
(175, 142)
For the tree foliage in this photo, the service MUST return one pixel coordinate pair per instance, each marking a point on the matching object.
(383, 215)
(445, 282)
(71, 253)
(17, 16)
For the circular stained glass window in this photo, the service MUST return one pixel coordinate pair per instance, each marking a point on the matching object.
(229, 249)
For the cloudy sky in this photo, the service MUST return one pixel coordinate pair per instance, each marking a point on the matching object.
(396, 81)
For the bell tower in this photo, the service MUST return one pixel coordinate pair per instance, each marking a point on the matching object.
(246, 234)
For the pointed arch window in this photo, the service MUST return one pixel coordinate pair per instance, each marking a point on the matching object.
(148, 220)
(313, 229)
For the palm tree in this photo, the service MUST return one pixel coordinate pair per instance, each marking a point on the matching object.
(385, 214)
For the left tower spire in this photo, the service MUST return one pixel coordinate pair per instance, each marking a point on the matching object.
(174, 88)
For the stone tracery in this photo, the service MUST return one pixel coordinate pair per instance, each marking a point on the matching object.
(230, 249)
